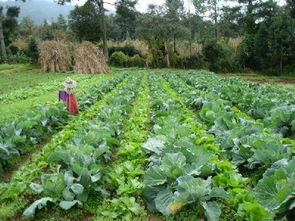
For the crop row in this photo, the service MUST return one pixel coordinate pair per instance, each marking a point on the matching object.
(19, 136)
(125, 173)
(245, 142)
(81, 161)
(274, 106)
(14, 195)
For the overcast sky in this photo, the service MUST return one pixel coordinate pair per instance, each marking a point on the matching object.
(143, 4)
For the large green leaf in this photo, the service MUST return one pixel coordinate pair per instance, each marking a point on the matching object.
(77, 188)
(36, 187)
(30, 211)
(162, 201)
(154, 144)
(68, 195)
(154, 176)
(66, 205)
(212, 210)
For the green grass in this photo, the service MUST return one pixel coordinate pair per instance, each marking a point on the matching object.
(23, 76)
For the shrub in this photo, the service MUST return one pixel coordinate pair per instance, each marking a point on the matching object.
(18, 58)
(33, 50)
(136, 61)
(176, 61)
(12, 49)
(196, 61)
(220, 57)
(118, 59)
(129, 50)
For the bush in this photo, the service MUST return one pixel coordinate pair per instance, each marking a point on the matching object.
(129, 50)
(136, 61)
(33, 50)
(195, 61)
(118, 59)
(12, 49)
(220, 57)
(19, 58)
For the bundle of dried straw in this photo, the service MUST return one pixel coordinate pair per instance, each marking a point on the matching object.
(54, 57)
(89, 59)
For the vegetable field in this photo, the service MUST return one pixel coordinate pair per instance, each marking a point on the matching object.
(148, 145)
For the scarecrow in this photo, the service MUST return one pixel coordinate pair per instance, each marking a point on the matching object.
(69, 97)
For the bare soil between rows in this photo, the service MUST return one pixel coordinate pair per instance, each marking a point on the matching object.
(263, 81)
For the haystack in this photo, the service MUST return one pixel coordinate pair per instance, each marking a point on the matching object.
(54, 56)
(89, 59)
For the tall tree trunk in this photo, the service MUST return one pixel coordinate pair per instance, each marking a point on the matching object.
(2, 42)
(104, 32)
(190, 28)
(174, 43)
(167, 54)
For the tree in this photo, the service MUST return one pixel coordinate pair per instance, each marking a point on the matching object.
(250, 7)
(291, 7)
(45, 31)
(84, 22)
(62, 23)
(26, 27)
(100, 5)
(2, 39)
(213, 7)
(159, 27)
(231, 22)
(114, 31)
(10, 25)
(173, 22)
(126, 17)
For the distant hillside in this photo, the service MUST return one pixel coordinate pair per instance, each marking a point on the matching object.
(39, 10)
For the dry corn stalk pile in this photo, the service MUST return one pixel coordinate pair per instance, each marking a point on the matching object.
(54, 56)
(89, 59)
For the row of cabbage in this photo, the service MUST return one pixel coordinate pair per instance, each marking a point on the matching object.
(258, 152)
(53, 85)
(15, 196)
(19, 136)
(186, 167)
(274, 106)
(125, 172)
(79, 166)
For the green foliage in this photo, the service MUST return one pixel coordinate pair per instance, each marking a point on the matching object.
(218, 57)
(33, 50)
(118, 59)
(10, 24)
(128, 49)
(12, 49)
(136, 61)
(84, 21)
(19, 58)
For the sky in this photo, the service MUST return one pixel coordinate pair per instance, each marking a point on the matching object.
(142, 5)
